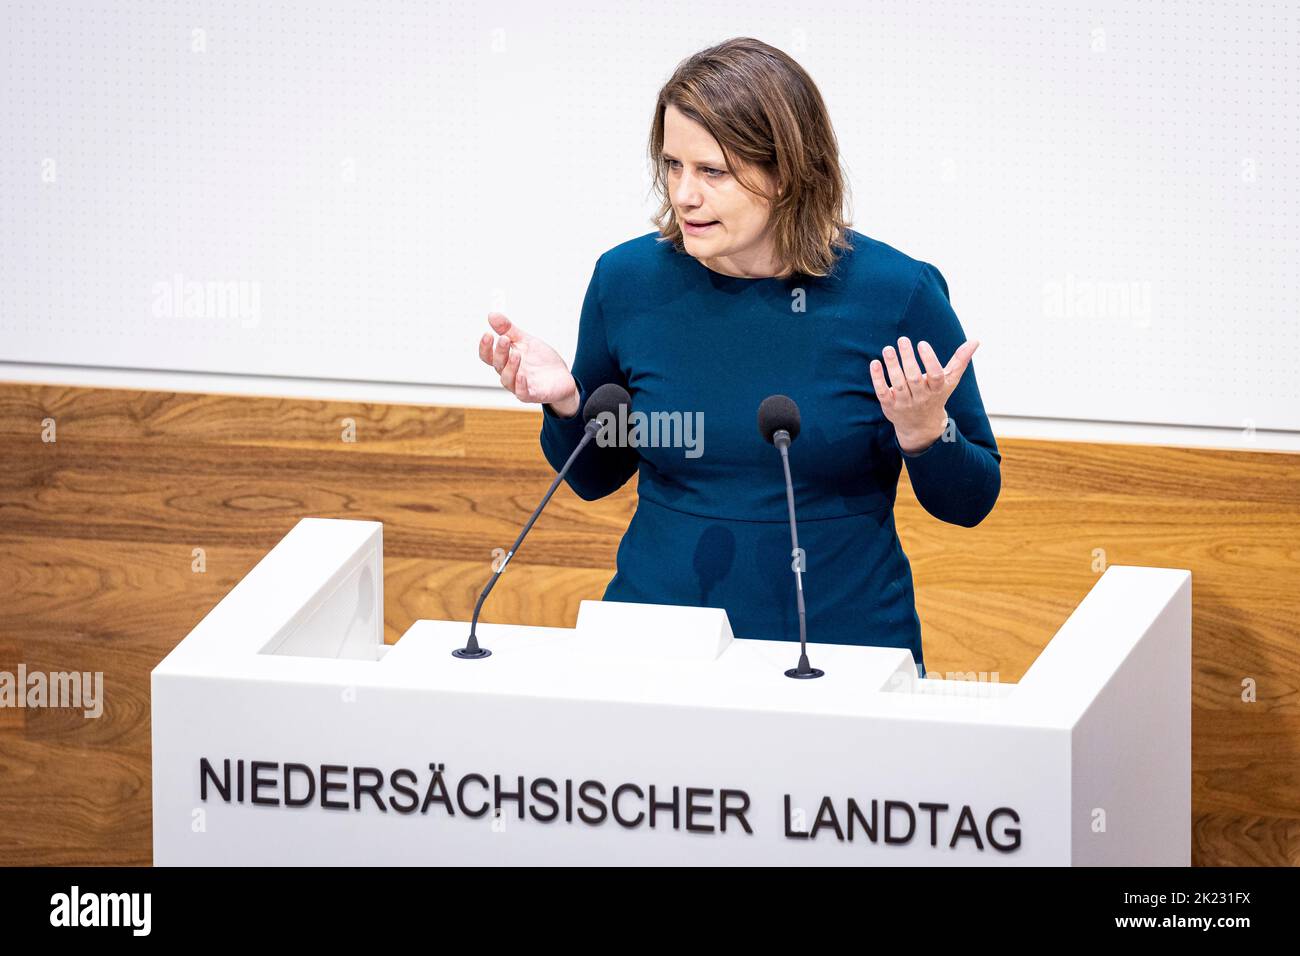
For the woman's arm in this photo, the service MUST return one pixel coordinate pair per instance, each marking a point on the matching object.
(598, 471)
(958, 477)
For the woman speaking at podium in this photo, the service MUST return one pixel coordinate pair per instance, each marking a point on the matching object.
(753, 284)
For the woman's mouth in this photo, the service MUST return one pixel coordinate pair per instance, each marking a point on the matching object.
(698, 228)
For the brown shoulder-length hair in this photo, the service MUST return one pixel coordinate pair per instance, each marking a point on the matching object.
(766, 113)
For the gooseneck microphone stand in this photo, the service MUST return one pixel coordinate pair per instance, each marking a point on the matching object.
(472, 651)
(605, 400)
(804, 671)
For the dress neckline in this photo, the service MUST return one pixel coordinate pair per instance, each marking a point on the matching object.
(724, 279)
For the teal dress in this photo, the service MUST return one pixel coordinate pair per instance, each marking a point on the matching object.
(711, 526)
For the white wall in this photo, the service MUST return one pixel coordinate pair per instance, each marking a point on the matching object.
(1109, 190)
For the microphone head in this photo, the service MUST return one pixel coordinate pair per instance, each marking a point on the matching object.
(607, 398)
(778, 412)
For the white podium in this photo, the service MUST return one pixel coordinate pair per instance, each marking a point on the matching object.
(286, 732)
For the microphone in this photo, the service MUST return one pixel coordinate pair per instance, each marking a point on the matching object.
(607, 398)
(778, 423)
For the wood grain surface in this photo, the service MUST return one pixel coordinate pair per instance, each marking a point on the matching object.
(99, 531)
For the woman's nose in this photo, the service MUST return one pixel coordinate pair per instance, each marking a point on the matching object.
(687, 192)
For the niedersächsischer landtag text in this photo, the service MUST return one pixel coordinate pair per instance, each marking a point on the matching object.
(592, 802)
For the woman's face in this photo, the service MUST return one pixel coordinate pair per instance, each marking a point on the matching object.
(703, 190)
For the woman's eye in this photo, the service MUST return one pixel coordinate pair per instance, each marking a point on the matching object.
(708, 170)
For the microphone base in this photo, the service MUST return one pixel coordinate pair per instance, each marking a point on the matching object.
(467, 655)
(805, 675)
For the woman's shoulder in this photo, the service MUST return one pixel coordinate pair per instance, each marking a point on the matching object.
(877, 262)
(627, 270)
(867, 265)
(644, 251)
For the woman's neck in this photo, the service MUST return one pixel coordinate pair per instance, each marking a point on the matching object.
(764, 266)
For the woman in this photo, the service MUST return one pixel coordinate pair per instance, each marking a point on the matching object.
(753, 284)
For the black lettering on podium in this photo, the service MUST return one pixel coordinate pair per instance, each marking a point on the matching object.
(737, 812)
(613, 804)
(792, 834)
(692, 809)
(499, 796)
(326, 785)
(460, 794)
(592, 802)
(934, 821)
(1014, 832)
(289, 799)
(826, 816)
(358, 788)
(206, 772)
(403, 790)
(890, 806)
(657, 805)
(967, 827)
(259, 782)
(544, 799)
(855, 814)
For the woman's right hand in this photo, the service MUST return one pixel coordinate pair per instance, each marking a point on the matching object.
(529, 368)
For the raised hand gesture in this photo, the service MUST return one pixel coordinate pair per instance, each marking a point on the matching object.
(529, 368)
(915, 400)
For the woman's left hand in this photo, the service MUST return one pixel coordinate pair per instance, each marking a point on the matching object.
(915, 401)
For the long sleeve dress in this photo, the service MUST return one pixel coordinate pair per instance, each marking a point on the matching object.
(711, 526)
